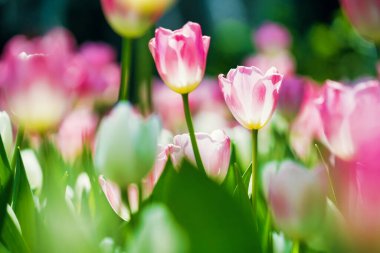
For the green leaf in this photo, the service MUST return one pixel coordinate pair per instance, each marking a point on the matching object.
(3, 249)
(23, 203)
(5, 169)
(5, 183)
(11, 236)
(212, 218)
(241, 191)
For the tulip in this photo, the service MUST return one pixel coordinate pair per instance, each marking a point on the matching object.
(215, 151)
(132, 18)
(125, 147)
(180, 56)
(296, 198)
(6, 133)
(307, 126)
(271, 37)
(283, 61)
(349, 116)
(291, 98)
(251, 95)
(364, 16)
(113, 195)
(76, 130)
(37, 79)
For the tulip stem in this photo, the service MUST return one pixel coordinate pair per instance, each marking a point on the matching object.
(185, 98)
(296, 247)
(254, 168)
(126, 55)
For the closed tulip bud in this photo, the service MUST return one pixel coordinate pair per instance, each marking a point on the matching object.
(364, 16)
(251, 95)
(126, 145)
(180, 56)
(132, 18)
(6, 132)
(214, 148)
(297, 199)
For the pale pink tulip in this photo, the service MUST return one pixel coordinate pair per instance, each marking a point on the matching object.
(37, 78)
(180, 56)
(349, 116)
(251, 95)
(296, 197)
(272, 37)
(307, 126)
(282, 61)
(100, 73)
(214, 148)
(364, 16)
(77, 129)
(132, 18)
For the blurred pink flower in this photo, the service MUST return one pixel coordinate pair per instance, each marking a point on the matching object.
(349, 116)
(251, 95)
(364, 16)
(100, 73)
(296, 197)
(77, 129)
(180, 56)
(272, 37)
(214, 148)
(36, 79)
(291, 96)
(307, 126)
(164, 152)
(132, 18)
(282, 60)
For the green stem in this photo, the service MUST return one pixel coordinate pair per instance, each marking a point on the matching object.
(185, 98)
(254, 169)
(19, 139)
(296, 247)
(126, 55)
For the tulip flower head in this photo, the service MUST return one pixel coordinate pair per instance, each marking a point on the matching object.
(296, 197)
(126, 145)
(364, 16)
(349, 116)
(132, 18)
(214, 148)
(251, 95)
(180, 56)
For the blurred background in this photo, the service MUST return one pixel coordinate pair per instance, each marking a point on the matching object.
(324, 44)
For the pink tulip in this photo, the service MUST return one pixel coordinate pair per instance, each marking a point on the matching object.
(364, 16)
(251, 95)
(180, 56)
(214, 148)
(349, 116)
(307, 126)
(272, 37)
(296, 197)
(76, 130)
(132, 18)
(100, 73)
(291, 97)
(282, 61)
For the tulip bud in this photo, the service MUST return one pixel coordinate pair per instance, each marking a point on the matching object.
(296, 198)
(291, 97)
(364, 16)
(125, 147)
(214, 148)
(272, 37)
(180, 56)
(132, 18)
(6, 132)
(251, 95)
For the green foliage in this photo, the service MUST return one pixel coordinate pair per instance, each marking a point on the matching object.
(213, 219)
